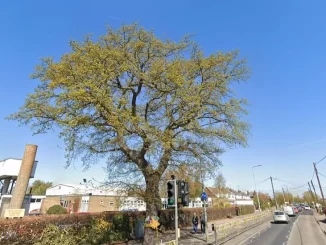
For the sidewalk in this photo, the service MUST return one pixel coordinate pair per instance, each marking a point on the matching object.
(321, 220)
(187, 236)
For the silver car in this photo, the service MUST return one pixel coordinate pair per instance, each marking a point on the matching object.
(280, 216)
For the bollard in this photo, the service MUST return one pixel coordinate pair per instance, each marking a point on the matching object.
(215, 235)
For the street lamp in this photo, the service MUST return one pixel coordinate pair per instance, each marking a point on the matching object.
(253, 173)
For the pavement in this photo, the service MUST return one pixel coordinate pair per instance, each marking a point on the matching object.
(306, 231)
(321, 220)
(187, 236)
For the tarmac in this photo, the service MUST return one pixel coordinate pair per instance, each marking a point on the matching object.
(321, 220)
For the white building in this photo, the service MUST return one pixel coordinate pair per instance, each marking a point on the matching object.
(233, 197)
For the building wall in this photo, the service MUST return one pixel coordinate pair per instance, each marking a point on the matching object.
(71, 203)
(11, 167)
(5, 203)
(103, 203)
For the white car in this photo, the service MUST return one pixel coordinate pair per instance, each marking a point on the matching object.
(306, 207)
(289, 211)
(280, 216)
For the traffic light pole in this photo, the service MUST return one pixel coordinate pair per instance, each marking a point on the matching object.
(176, 213)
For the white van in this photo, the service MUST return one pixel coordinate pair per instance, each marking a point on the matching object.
(289, 211)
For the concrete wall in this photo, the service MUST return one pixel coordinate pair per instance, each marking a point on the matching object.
(5, 203)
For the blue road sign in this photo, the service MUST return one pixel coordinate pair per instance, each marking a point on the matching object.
(204, 196)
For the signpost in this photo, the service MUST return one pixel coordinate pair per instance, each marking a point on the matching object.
(204, 199)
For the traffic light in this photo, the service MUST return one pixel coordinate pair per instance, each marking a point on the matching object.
(171, 193)
(185, 198)
(183, 192)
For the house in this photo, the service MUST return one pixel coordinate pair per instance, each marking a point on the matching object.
(83, 198)
(228, 195)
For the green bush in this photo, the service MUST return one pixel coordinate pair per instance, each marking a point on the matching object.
(57, 209)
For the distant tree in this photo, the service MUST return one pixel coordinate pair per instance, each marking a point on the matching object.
(39, 187)
(220, 181)
(297, 199)
(264, 200)
(142, 103)
(280, 198)
(306, 196)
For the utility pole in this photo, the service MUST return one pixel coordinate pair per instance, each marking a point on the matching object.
(314, 190)
(312, 195)
(321, 190)
(274, 193)
(287, 188)
(257, 193)
(283, 195)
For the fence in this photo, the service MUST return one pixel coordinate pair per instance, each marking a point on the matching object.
(231, 229)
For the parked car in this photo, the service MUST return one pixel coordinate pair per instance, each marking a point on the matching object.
(289, 211)
(296, 210)
(280, 216)
(307, 207)
(300, 209)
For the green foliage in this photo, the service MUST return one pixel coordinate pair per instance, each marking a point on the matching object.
(56, 209)
(265, 201)
(39, 187)
(144, 102)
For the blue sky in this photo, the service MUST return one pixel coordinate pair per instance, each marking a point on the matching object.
(283, 41)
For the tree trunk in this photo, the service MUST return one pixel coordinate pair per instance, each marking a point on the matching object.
(153, 205)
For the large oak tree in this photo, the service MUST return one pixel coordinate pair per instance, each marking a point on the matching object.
(142, 102)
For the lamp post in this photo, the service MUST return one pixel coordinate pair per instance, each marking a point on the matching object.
(253, 173)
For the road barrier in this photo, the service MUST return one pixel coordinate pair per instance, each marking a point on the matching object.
(231, 229)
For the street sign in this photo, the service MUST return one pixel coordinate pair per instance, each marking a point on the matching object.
(204, 196)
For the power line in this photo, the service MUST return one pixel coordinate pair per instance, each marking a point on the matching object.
(287, 182)
(321, 160)
(298, 187)
(263, 181)
(322, 175)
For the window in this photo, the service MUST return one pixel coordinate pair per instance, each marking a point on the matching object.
(101, 203)
(38, 200)
(111, 203)
(64, 203)
(33, 200)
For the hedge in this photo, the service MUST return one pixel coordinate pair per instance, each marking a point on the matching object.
(29, 229)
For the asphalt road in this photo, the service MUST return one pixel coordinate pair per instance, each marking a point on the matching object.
(306, 231)
(276, 234)
(302, 230)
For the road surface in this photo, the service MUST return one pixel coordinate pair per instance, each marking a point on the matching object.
(276, 234)
(306, 231)
(302, 230)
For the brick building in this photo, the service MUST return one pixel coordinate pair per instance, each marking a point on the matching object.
(80, 198)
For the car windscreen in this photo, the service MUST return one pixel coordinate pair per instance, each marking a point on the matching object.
(279, 213)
